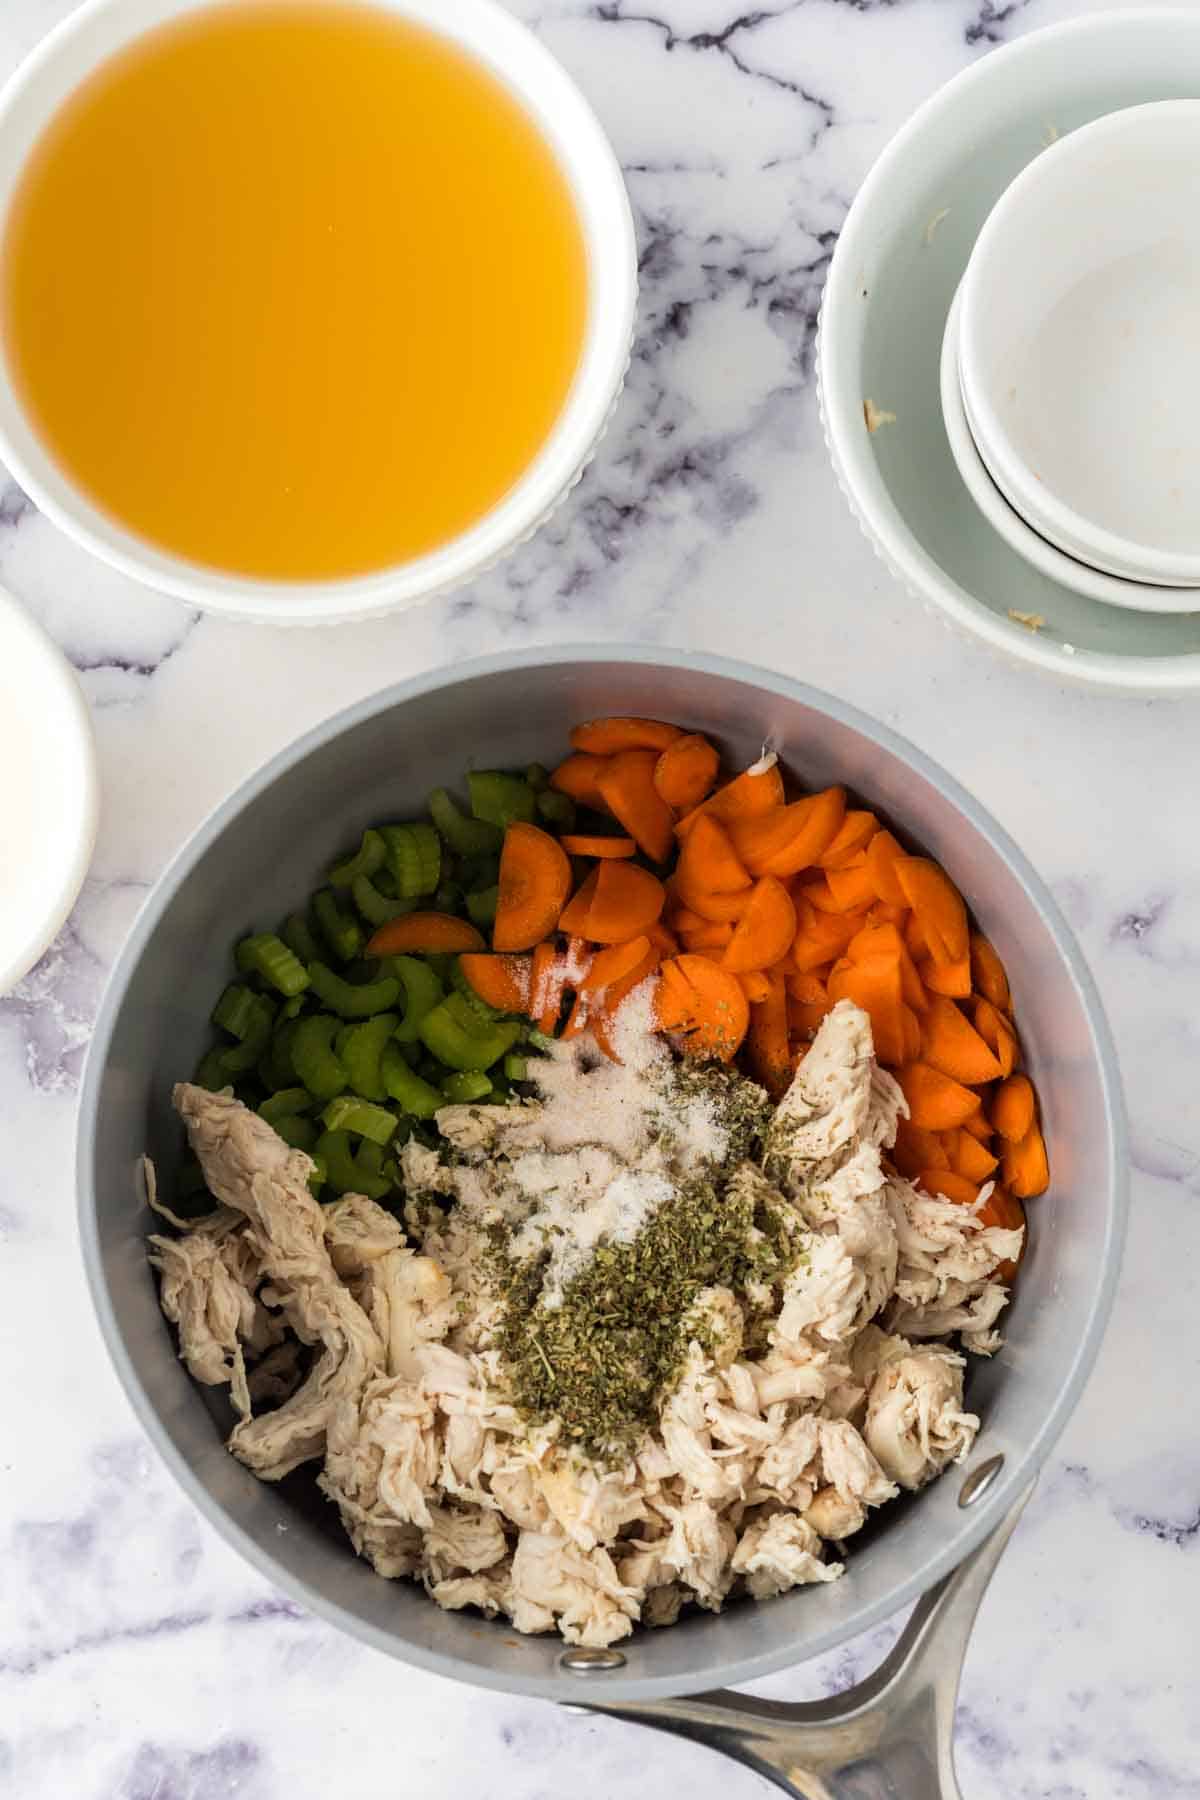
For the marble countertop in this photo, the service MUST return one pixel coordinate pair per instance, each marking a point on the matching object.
(139, 1658)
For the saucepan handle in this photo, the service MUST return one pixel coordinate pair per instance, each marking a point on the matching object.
(889, 1738)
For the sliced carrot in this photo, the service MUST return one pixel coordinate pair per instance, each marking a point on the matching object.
(535, 879)
(883, 914)
(611, 737)
(916, 1149)
(627, 788)
(914, 937)
(935, 1101)
(950, 1042)
(971, 1158)
(503, 981)
(821, 938)
(604, 849)
(418, 931)
(874, 984)
(579, 776)
(603, 1008)
(719, 907)
(949, 1185)
(987, 973)
(686, 771)
(767, 1049)
(1004, 1209)
(910, 1030)
(708, 862)
(883, 852)
(747, 796)
(662, 939)
(547, 986)
(626, 901)
(1024, 1165)
(575, 914)
(1014, 1109)
(755, 985)
(707, 937)
(614, 963)
(577, 1018)
(979, 1126)
(792, 837)
(851, 887)
(951, 979)
(810, 989)
(998, 1034)
(804, 1017)
(766, 929)
(875, 940)
(938, 906)
(854, 834)
(704, 1005)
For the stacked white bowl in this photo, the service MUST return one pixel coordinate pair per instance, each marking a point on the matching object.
(1071, 363)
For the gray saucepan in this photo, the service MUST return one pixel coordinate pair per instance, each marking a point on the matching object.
(246, 866)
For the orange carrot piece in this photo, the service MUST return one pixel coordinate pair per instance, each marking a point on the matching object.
(805, 1017)
(708, 862)
(883, 914)
(686, 771)
(998, 1034)
(418, 931)
(535, 879)
(980, 1127)
(916, 1149)
(874, 984)
(810, 989)
(876, 940)
(1004, 1209)
(915, 938)
(910, 1031)
(603, 1007)
(1024, 1165)
(547, 985)
(662, 939)
(609, 737)
(792, 837)
(625, 902)
(503, 981)
(604, 849)
(748, 796)
(574, 915)
(854, 834)
(707, 937)
(851, 887)
(987, 973)
(1014, 1108)
(825, 936)
(614, 963)
(950, 1042)
(953, 980)
(949, 1185)
(577, 1018)
(704, 1005)
(755, 985)
(765, 930)
(682, 918)
(971, 1158)
(883, 852)
(719, 908)
(579, 776)
(627, 788)
(767, 1049)
(938, 906)
(935, 1101)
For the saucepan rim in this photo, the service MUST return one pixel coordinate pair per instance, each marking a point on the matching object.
(976, 1523)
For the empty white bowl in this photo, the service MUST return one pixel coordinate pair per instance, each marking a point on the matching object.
(1079, 345)
(97, 30)
(1037, 551)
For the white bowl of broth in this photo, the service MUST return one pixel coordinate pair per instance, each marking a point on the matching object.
(309, 309)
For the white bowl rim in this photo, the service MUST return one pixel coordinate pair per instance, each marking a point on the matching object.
(516, 57)
(849, 445)
(59, 676)
(1096, 584)
(1077, 536)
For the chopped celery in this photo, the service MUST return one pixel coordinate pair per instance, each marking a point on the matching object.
(359, 1048)
(343, 934)
(275, 1069)
(344, 1172)
(291, 1009)
(348, 1113)
(210, 1072)
(286, 1101)
(370, 856)
(557, 809)
(422, 991)
(469, 837)
(319, 1176)
(500, 799)
(516, 1068)
(236, 1011)
(481, 906)
(252, 1025)
(415, 1096)
(449, 898)
(414, 858)
(313, 1056)
(374, 906)
(463, 1088)
(538, 777)
(466, 1043)
(297, 935)
(298, 1133)
(266, 955)
(540, 1039)
(476, 1002)
(350, 1001)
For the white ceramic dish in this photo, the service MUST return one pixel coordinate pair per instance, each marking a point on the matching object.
(1078, 349)
(1036, 550)
(900, 258)
(97, 30)
(49, 800)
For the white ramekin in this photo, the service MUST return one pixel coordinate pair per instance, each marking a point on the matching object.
(1078, 349)
(98, 29)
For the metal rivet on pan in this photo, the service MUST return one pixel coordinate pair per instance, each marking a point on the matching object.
(980, 1480)
(584, 1661)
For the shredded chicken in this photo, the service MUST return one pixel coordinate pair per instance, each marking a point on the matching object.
(799, 1407)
